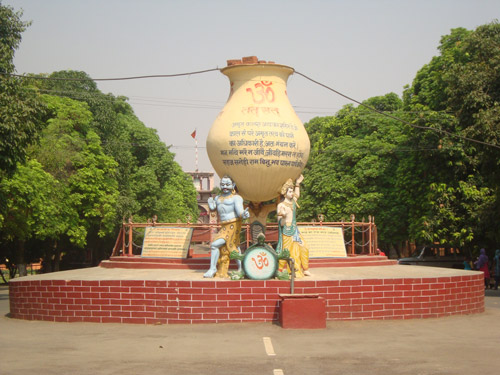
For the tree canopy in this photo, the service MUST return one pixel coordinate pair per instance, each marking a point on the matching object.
(75, 163)
(422, 184)
(20, 111)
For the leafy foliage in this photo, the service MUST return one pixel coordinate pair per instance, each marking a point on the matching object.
(422, 185)
(20, 111)
(95, 164)
(459, 92)
(353, 167)
(31, 209)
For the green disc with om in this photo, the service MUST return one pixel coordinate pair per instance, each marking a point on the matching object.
(260, 263)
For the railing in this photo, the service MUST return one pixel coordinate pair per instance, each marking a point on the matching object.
(360, 238)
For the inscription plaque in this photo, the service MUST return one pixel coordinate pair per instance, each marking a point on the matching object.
(324, 242)
(161, 242)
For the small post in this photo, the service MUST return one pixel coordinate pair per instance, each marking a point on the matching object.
(321, 218)
(353, 232)
(291, 264)
(363, 235)
(130, 237)
(370, 227)
(123, 239)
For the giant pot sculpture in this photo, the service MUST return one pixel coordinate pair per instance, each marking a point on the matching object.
(257, 138)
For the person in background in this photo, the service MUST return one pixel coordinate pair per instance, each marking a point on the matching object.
(497, 268)
(481, 264)
(381, 253)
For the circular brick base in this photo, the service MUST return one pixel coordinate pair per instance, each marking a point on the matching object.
(214, 301)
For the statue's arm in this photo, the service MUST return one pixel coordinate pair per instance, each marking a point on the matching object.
(212, 203)
(280, 213)
(298, 181)
(239, 209)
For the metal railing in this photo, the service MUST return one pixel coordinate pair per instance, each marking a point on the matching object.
(360, 237)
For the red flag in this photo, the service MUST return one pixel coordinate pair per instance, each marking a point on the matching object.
(193, 134)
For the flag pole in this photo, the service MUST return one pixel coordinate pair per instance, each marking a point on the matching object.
(196, 149)
(193, 134)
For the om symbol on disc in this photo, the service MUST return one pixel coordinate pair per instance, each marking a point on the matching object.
(259, 263)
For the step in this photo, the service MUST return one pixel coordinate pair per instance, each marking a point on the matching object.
(203, 263)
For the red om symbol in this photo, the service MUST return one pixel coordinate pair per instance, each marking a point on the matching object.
(261, 261)
(263, 92)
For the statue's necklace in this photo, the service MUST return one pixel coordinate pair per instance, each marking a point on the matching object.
(223, 197)
(288, 204)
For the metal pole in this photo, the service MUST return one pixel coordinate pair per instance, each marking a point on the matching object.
(363, 236)
(196, 148)
(353, 230)
(123, 239)
(291, 264)
(130, 233)
(370, 247)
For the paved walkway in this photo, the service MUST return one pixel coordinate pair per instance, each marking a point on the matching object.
(454, 345)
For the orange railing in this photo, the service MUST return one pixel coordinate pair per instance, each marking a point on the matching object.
(359, 237)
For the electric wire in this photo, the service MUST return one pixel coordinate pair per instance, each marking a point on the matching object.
(163, 102)
(295, 71)
(113, 79)
(397, 118)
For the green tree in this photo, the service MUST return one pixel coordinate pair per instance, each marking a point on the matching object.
(71, 152)
(457, 93)
(20, 111)
(147, 174)
(352, 168)
(160, 186)
(31, 207)
(148, 179)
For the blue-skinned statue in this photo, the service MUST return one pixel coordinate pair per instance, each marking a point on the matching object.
(229, 206)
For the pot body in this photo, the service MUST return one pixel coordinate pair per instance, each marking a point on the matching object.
(258, 139)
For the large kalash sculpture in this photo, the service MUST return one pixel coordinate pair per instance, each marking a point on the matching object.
(259, 147)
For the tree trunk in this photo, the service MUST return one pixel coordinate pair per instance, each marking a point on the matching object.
(12, 270)
(47, 260)
(398, 250)
(21, 263)
(57, 256)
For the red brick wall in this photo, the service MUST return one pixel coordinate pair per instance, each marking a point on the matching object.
(170, 302)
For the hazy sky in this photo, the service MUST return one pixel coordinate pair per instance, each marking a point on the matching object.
(360, 48)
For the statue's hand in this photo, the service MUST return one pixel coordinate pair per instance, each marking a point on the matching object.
(245, 214)
(299, 180)
(211, 203)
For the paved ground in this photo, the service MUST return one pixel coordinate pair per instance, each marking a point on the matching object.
(454, 345)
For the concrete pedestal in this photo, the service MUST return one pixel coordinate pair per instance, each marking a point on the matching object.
(306, 311)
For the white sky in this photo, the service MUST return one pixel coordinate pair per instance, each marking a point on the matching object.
(362, 48)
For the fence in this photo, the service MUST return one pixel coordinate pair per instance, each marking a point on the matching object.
(360, 237)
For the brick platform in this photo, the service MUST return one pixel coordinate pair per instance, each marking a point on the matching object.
(142, 296)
